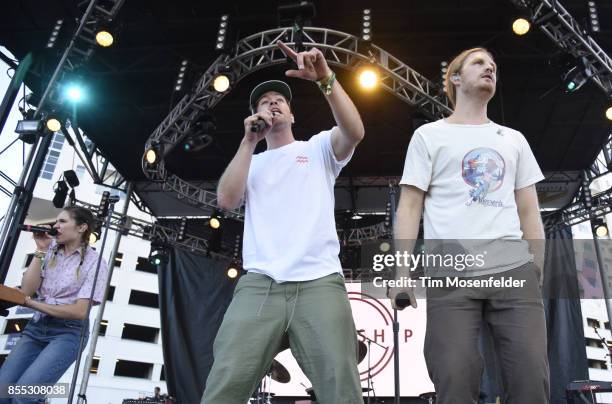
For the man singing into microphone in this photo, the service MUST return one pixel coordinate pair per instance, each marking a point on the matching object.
(294, 285)
(474, 180)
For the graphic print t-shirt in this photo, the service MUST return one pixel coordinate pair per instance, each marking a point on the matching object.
(469, 174)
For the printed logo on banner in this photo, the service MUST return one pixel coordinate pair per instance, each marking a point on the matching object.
(376, 324)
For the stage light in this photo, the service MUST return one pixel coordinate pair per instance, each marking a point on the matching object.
(587, 197)
(366, 25)
(368, 78)
(593, 17)
(221, 83)
(153, 154)
(520, 26)
(609, 113)
(356, 216)
(61, 192)
(575, 78)
(54, 34)
(200, 137)
(214, 222)
(93, 237)
(601, 231)
(104, 38)
(54, 125)
(178, 85)
(222, 33)
(74, 93)
(159, 252)
(182, 227)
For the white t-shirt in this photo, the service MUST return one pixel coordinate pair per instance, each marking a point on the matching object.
(289, 226)
(469, 174)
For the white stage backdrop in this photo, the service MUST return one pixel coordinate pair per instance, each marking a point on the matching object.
(375, 318)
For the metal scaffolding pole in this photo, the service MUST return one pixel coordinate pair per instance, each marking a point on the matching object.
(82, 398)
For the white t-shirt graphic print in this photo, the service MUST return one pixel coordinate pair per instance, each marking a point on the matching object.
(289, 228)
(469, 174)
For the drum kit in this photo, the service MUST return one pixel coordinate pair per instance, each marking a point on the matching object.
(279, 374)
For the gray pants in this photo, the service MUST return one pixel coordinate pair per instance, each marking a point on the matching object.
(516, 318)
(316, 316)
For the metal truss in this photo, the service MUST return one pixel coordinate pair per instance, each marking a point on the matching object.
(577, 212)
(258, 51)
(564, 31)
(358, 235)
(602, 163)
(128, 225)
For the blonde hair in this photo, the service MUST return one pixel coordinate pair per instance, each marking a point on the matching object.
(455, 68)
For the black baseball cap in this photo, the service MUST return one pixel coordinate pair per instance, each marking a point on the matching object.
(271, 85)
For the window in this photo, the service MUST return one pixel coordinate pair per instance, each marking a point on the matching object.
(102, 330)
(592, 323)
(15, 325)
(139, 370)
(52, 156)
(140, 298)
(140, 333)
(80, 172)
(118, 260)
(162, 376)
(111, 293)
(95, 364)
(597, 364)
(144, 265)
(595, 343)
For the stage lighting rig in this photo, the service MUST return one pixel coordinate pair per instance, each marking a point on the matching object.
(593, 18)
(222, 33)
(520, 26)
(368, 76)
(55, 34)
(178, 85)
(200, 136)
(366, 25)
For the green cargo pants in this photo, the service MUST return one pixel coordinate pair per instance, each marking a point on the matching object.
(316, 316)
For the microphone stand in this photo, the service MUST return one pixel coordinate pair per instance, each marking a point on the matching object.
(396, 372)
(370, 381)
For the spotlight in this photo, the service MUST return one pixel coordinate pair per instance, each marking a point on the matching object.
(586, 192)
(74, 93)
(222, 33)
(61, 192)
(181, 232)
(576, 77)
(215, 222)
(153, 154)
(53, 124)
(178, 85)
(368, 78)
(593, 17)
(443, 70)
(520, 26)
(93, 237)
(54, 34)
(366, 25)
(104, 38)
(71, 178)
(233, 269)
(609, 113)
(599, 227)
(158, 254)
(221, 83)
(200, 136)
(28, 130)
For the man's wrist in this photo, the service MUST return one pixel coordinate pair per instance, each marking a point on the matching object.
(326, 83)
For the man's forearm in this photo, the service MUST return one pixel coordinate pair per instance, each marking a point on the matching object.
(345, 113)
(533, 232)
(232, 184)
(406, 230)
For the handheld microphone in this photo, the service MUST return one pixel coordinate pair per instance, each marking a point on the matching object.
(39, 229)
(258, 126)
(402, 300)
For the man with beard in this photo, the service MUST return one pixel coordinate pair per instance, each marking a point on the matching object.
(474, 181)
